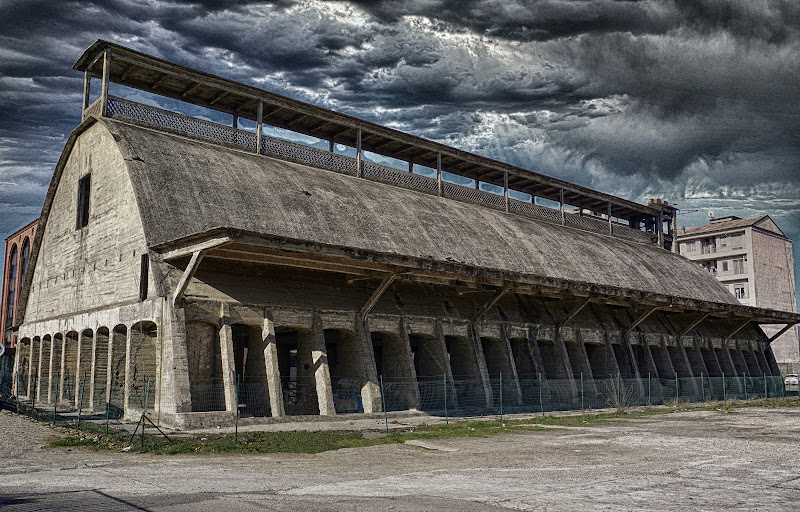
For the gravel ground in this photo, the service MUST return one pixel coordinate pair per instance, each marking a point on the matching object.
(703, 460)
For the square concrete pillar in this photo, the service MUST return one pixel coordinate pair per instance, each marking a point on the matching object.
(271, 368)
(93, 369)
(128, 373)
(228, 361)
(483, 371)
(370, 389)
(322, 374)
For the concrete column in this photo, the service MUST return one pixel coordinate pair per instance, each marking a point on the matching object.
(512, 367)
(271, 367)
(370, 388)
(78, 369)
(536, 354)
(61, 366)
(228, 361)
(412, 396)
(93, 370)
(322, 374)
(475, 339)
(128, 372)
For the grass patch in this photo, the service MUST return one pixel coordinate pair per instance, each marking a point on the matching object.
(93, 437)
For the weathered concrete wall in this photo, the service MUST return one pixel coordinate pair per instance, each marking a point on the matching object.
(98, 265)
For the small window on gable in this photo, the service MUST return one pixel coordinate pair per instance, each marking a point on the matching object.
(84, 187)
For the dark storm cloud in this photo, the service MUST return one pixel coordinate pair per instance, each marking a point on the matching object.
(687, 99)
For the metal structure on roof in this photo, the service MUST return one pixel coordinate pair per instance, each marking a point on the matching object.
(113, 63)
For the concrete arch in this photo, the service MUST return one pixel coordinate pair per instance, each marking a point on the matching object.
(117, 362)
(204, 359)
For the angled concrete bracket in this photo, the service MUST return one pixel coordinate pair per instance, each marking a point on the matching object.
(693, 325)
(376, 296)
(572, 314)
(779, 333)
(739, 328)
(489, 305)
(191, 268)
(641, 319)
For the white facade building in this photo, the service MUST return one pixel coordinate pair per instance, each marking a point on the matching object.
(753, 258)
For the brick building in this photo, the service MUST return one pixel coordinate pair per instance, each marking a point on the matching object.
(17, 257)
(753, 258)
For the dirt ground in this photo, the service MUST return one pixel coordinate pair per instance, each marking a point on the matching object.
(708, 460)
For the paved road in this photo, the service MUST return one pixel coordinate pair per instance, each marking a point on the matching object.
(690, 461)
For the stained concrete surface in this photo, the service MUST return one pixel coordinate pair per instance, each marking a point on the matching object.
(705, 460)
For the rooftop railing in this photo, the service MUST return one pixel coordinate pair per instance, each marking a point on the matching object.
(118, 108)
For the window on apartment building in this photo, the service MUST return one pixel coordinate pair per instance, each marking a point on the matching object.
(737, 242)
(740, 290)
(84, 187)
(723, 242)
(710, 266)
(738, 265)
(689, 247)
(12, 284)
(724, 266)
(708, 246)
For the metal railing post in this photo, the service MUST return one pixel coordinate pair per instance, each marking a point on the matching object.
(703, 386)
(501, 396)
(582, 407)
(383, 400)
(541, 397)
(236, 427)
(446, 417)
(648, 389)
(724, 391)
(677, 393)
(55, 400)
(766, 392)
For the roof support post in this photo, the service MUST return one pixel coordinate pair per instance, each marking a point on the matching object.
(191, 268)
(489, 305)
(660, 229)
(104, 86)
(235, 123)
(561, 205)
(572, 314)
(376, 296)
(410, 166)
(87, 83)
(610, 226)
(505, 188)
(779, 333)
(739, 328)
(641, 319)
(358, 153)
(259, 125)
(693, 325)
(439, 172)
(673, 231)
(330, 146)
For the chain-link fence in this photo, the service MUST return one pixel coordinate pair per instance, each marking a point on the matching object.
(69, 400)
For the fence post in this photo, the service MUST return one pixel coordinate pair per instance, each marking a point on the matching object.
(501, 396)
(108, 402)
(236, 422)
(383, 399)
(80, 400)
(703, 386)
(541, 396)
(55, 400)
(648, 389)
(144, 411)
(744, 379)
(582, 408)
(619, 391)
(724, 391)
(766, 392)
(446, 416)
(677, 393)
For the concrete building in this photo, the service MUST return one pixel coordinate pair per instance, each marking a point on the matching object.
(753, 258)
(183, 256)
(17, 256)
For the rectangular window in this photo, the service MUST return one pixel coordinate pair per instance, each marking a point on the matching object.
(144, 270)
(738, 265)
(724, 266)
(740, 290)
(723, 241)
(84, 187)
(737, 242)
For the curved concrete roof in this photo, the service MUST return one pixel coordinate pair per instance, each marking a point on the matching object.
(186, 187)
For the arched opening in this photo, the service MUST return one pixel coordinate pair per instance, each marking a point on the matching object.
(100, 381)
(392, 363)
(23, 367)
(143, 365)
(251, 375)
(11, 289)
(297, 370)
(84, 374)
(36, 347)
(206, 386)
(45, 356)
(57, 366)
(69, 382)
(26, 256)
(119, 338)
(347, 371)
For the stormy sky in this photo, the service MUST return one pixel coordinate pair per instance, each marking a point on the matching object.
(694, 101)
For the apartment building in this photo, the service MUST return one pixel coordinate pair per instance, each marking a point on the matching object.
(753, 258)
